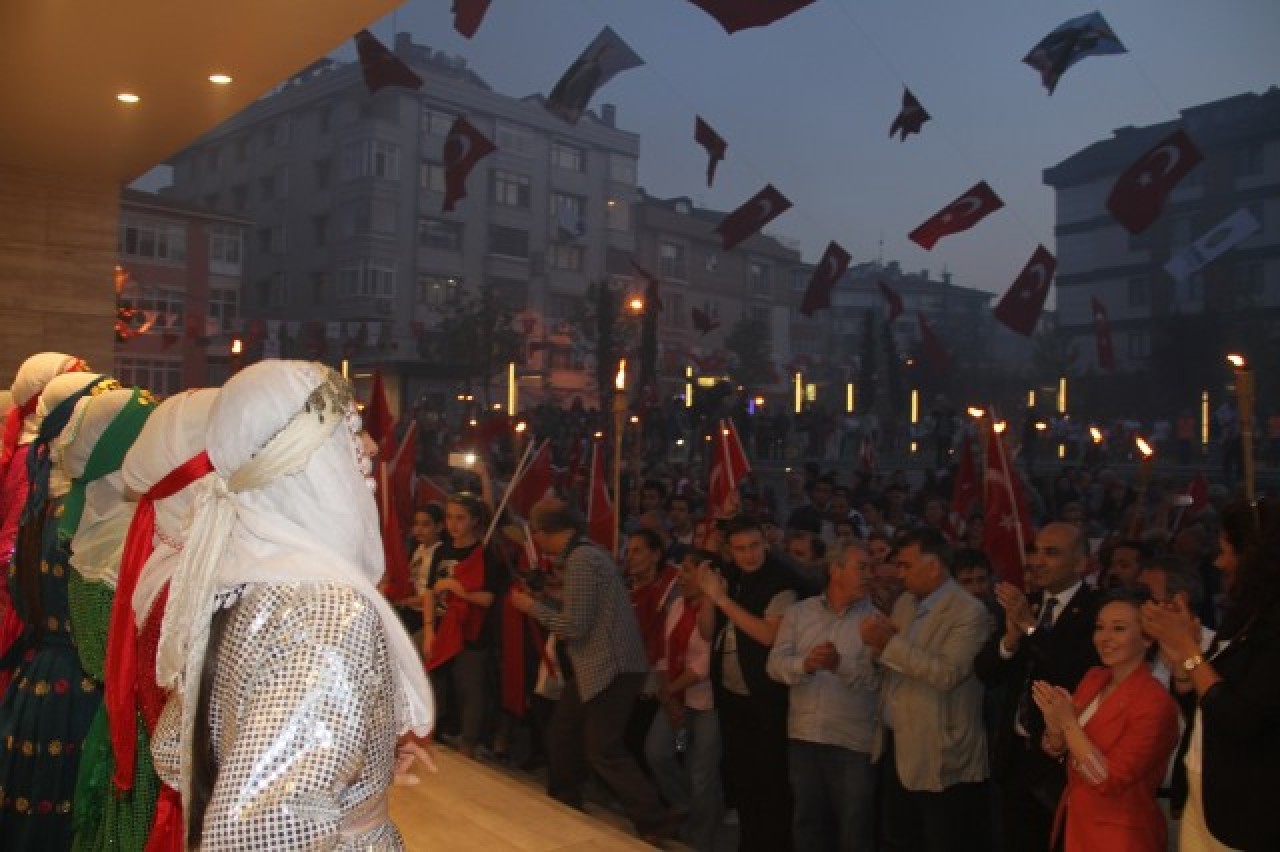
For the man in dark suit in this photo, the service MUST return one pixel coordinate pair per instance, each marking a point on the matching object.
(1049, 637)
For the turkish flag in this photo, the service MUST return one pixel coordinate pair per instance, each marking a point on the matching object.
(761, 209)
(934, 351)
(534, 482)
(910, 118)
(736, 15)
(463, 148)
(729, 467)
(396, 576)
(1139, 194)
(381, 67)
(965, 489)
(834, 263)
(1102, 331)
(892, 297)
(400, 472)
(960, 215)
(461, 620)
(467, 15)
(602, 521)
(712, 141)
(1020, 306)
(1007, 529)
(378, 421)
(606, 56)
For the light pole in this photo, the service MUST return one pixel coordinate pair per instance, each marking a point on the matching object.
(1244, 410)
(619, 424)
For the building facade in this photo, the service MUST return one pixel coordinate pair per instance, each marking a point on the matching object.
(178, 291)
(351, 255)
(1097, 258)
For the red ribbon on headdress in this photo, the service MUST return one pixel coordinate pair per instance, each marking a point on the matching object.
(13, 429)
(121, 673)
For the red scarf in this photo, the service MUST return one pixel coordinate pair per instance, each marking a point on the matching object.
(678, 639)
(120, 680)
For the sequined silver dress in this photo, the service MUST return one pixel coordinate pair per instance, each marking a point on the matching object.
(303, 724)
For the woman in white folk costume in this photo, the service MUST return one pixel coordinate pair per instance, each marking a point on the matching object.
(158, 470)
(293, 678)
(48, 707)
(95, 519)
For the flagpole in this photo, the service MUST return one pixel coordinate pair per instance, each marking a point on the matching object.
(506, 494)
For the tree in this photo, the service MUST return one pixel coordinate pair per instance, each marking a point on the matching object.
(752, 362)
(477, 337)
(1053, 354)
(867, 367)
(894, 384)
(601, 328)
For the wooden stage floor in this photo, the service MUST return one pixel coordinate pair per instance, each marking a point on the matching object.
(470, 807)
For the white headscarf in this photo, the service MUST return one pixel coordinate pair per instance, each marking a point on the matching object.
(174, 433)
(287, 503)
(99, 539)
(32, 376)
(58, 390)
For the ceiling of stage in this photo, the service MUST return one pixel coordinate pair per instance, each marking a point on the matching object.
(64, 63)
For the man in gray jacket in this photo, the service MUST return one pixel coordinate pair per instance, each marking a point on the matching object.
(931, 735)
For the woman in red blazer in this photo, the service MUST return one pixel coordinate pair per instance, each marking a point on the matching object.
(1115, 734)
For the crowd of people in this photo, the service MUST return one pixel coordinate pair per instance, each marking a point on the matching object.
(202, 650)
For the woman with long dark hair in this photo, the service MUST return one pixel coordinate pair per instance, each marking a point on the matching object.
(1235, 686)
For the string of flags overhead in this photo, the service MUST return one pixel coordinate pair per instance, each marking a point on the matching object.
(1136, 199)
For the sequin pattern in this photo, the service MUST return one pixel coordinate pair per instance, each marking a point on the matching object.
(302, 719)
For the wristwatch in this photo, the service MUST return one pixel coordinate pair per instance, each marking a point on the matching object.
(1190, 663)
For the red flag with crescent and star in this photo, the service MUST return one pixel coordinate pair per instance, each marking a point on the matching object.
(910, 118)
(834, 263)
(602, 521)
(1008, 528)
(467, 15)
(713, 143)
(761, 209)
(735, 15)
(1102, 331)
(892, 298)
(729, 467)
(1020, 306)
(463, 148)
(382, 68)
(960, 215)
(1140, 192)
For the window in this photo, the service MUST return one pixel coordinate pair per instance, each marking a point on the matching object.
(567, 157)
(509, 242)
(224, 307)
(320, 229)
(509, 293)
(511, 189)
(371, 158)
(367, 280)
(323, 170)
(271, 240)
(673, 313)
(617, 215)
(226, 249)
(511, 139)
(152, 239)
(440, 234)
(431, 176)
(568, 216)
(566, 257)
(1139, 344)
(760, 313)
(672, 261)
(1139, 291)
(1249, 160)
(319, 286)
(273, 292)
(622, 169)
(278, 132)
(436, 122)
(758, 277)
(240, 196)
(162, 376)
(437, 291)
(163, 309)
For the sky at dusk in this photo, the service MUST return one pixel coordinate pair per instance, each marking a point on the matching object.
(806, 103)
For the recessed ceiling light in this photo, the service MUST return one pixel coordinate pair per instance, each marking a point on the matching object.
(127, 98)
(220, 79)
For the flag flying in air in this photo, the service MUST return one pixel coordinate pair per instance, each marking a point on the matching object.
(758, 211)
(910, 118)
(960, 215)
(467, 15)
(1140, 192)
(892, 298)
(463, 148)
(1102, 332)
(1020, 306)
(1087, 35)
(735, 15)
(1224, 236)
(834, 263)
(714, 144)
(382, 68)
(606, 56)
(935, 353)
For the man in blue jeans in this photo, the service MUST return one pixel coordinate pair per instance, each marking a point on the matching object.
(835, 691)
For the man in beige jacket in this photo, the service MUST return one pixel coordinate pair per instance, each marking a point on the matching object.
(930, 734)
